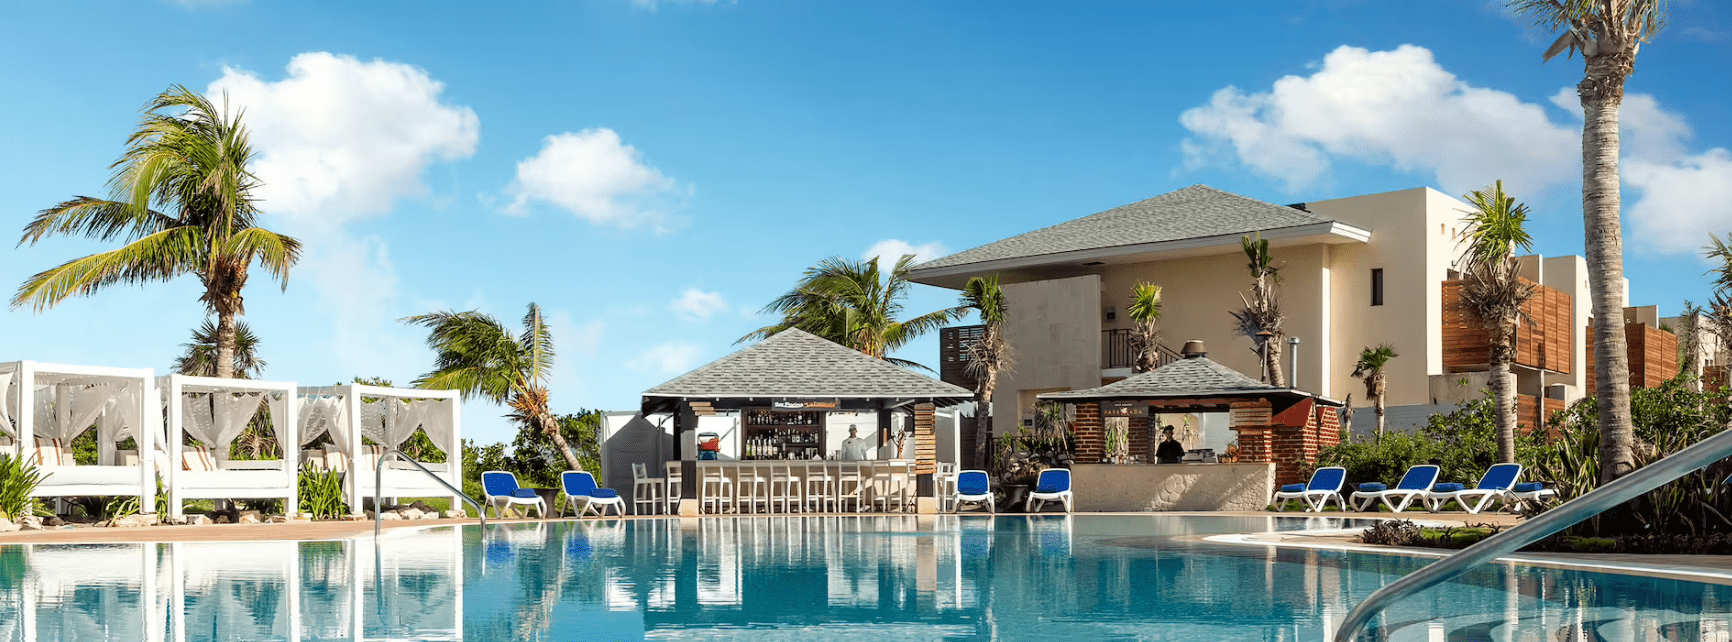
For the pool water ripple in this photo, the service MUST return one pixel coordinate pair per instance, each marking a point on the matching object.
(815, 579)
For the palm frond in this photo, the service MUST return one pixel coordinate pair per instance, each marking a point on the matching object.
(200, 357)
(536, 345)
(94, 218)
(276, 252)
(156, 257)
(475, 354)
(1496, 226)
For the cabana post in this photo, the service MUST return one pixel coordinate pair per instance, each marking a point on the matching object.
(57, 402)
(354, 414)
(215, 411)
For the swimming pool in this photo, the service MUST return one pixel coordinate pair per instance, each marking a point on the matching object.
(1049, 577)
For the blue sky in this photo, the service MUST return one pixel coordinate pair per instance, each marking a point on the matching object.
(653, 172)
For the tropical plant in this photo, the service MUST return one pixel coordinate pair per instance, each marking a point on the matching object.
(1495, 295)
(855, 304)
(1608, 33)
(1261, 317)
(537, 461)
(1690, 343)
(18, 478)
(1145, 313)
(181, 198)
(1370, 369)
(478, 356)
(199, 358)
(321, 493)
(989, 356)
(1049, 443)
(1460, 442)
(1719, 310)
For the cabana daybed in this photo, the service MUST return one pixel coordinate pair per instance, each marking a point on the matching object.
(44, 406)
(387, 417)
(215, 412)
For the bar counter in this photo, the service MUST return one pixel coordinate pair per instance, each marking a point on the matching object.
(1172, 487)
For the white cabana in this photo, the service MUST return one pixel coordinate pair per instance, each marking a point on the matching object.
(387, 417)
(215, 412)
(43, 406)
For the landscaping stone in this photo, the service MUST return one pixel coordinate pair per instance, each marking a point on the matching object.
(455, 514)
(132, 521)
(249, 517)
(410, 513)
(432, 514)
(277, 519)
(197, 520)
(54, 521)
(421, 506)
(306, 516)
(220, 519)
(30, 523)
(6, 526)
(388, 516)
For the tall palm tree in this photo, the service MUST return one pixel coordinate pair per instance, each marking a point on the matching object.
(1719, 311)
(200, 357)
(478, 356)
(1145, 313)
(989, 356)
(1494, 295)
(1608, 33)
(1262, 312)
(855, 304)
(181, 198)
(1690, 344)
(1370, 369)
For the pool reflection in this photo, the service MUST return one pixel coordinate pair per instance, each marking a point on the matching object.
(892, 577)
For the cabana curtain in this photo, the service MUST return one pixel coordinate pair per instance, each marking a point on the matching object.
(391, 421)
(325, 414)
(8, 425)
(218, 418)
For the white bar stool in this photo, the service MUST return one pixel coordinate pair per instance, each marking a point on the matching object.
(645, 490)
(820, 487)
(749, 482)
(784, 486)
(849, 485)
(715, 491)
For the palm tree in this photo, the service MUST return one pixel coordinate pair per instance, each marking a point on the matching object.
(988, 356)
(1145, 313)
(181, 198)
(1370, 369)
(478, 356)
(1494, 295)
(1719, 310)
(1608, 33)
(200, 357)
(1262, 312)
(855, 304)
(1690, 344)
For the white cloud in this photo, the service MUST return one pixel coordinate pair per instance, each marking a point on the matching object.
(891, 250)
(340, 138)
(599, 178)
(696, 304)
(1683, 201)
(1398, 108)
(675, 357)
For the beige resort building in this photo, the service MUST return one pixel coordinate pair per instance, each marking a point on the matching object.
(1355, 272)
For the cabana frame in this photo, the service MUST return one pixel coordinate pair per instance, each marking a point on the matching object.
(141, 418)
(404, 481)
(234, 479)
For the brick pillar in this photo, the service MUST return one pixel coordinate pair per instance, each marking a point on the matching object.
(1141, 445)
(1091, 436)
(925, 440)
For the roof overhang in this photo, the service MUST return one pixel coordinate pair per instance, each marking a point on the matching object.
(662, 402)
(1226, 396)
(1064, 264)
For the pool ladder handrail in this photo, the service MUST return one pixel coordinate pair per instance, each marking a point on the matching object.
(379, 487)
(1623, 489)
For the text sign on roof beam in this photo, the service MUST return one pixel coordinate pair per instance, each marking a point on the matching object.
(1123, 408)
(828, 404)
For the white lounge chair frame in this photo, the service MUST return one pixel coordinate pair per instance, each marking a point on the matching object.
(1038, 500)
(398, 482)
(18, 381)
(590, 504)
(984, 499)
(501, 502)
(1397, 499)
(266, 479)
(1474, 500)
(1314, 500)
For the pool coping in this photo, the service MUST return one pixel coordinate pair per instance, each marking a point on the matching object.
(1678, 567)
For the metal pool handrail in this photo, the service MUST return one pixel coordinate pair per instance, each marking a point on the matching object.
(379, 487)
(1623, 489)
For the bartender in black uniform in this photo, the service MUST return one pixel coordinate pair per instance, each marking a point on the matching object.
(1170, 451)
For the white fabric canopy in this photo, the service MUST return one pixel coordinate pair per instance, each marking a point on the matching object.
(320, 415)
(392, 421)
(218, 418)
(8, 424)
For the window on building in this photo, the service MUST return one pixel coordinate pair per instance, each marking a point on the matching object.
(1376, 286)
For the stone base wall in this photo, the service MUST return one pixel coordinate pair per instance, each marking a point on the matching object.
(1172, 487)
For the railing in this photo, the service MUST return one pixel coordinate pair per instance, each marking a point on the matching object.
(1119, 350)
(379, 488)
(1624, 489)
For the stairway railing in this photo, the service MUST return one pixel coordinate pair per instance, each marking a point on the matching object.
(1623, 489)
(379, 487)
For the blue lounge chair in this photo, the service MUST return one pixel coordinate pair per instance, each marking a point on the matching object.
(580, 486)
(1527, 497)
(502, 491)
(1498, 481)
(975, 487)
(1413, 487)
(1053, 486)
(1325, 485)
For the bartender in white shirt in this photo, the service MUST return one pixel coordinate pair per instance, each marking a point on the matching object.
(854, 448)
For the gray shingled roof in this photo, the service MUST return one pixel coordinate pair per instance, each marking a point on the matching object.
(798, 364)
(1193, 377)
(1198, 211)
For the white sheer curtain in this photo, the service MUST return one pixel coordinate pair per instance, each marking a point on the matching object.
(435, 419)
(64, 410)
(320, 415)
(8, 420)
(217, 418)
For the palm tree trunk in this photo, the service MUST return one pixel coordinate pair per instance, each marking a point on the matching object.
(225, 356)
(550, 425)
(1272, 361)
(1503, 391)
(983, 417)
(1602, 93)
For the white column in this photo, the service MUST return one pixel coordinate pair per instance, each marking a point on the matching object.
(353, 401)
(26, 408)
(145, 437)
(288, 432)
(454, 458)
(174, 446)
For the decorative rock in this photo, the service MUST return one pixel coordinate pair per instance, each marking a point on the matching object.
(455, 514)
(249, 517)
(6, 526)
(132, 521)
(386, 517)
(410, 513)
(432, 514)
(197, 520)
(307, 516)
(54, 521)
(221, 519)
(277, 519)
(421, 506)
(30, 523)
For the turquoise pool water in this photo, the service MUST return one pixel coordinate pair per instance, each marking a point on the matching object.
(814, 579)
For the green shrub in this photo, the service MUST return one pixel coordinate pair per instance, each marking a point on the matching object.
(1464, 443)
(321, 493)
(18, 478)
